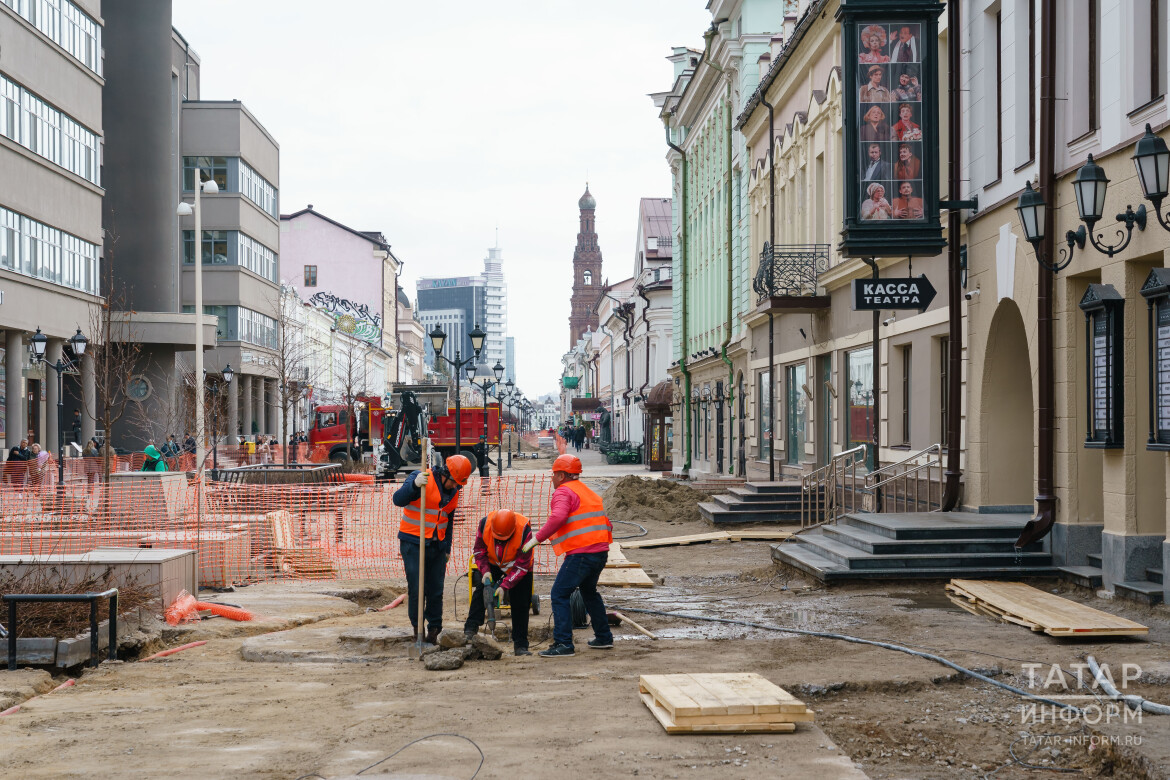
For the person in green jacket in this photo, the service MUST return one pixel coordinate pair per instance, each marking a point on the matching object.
(154, 459)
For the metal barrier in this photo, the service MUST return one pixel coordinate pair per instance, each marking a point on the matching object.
(831, 491)
(276, 474)
(112, 594)
(899, 486)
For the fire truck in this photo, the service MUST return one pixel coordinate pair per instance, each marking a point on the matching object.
(390, 430)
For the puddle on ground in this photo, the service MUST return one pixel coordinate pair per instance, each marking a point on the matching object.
(918, 601)
(756, 601)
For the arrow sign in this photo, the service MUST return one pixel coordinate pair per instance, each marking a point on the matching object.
(915, 292)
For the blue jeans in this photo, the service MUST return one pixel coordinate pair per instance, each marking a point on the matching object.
(580, 570)
(433, 581)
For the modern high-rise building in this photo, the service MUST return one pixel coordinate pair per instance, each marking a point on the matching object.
(456, 304)
(496, 316)
(510, 360)
(51, 80)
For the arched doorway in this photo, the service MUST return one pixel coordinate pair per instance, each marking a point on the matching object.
(1007, 419)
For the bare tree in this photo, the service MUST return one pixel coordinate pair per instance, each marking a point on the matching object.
(352, 377)
(295, 370)
(115, 352)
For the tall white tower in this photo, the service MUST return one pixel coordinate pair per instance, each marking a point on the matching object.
(496, 305)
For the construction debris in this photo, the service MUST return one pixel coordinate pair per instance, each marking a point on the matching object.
(739, 703)
(443, 661)
(637, 627)
(1015, 602)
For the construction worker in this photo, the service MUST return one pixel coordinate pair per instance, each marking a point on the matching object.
(442, 499)
(580, 531)
(505, 569)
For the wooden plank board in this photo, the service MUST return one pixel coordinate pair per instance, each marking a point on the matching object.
(617, 559)
(1043, 611)
(671, 727)
(758, 534)
(721, 694)
(625, 578)
(672, 541)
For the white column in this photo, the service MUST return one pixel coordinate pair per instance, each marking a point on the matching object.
(249, 406)
(53, 352)
(14, 419)
(232, 391)
(89, 410)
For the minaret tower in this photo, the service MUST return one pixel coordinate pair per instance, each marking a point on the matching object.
(586, 272)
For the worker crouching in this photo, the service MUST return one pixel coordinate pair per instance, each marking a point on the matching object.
(442, 493)
(506, 569)
(579, 530)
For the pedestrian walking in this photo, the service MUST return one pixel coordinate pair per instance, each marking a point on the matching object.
(16, 467)
(89, 457)
(442, 487)
(154, 459)
(76, 426)
(579, 530)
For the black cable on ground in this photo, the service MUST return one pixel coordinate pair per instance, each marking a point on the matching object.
(859, 641)
(629, 536)
(482, 758)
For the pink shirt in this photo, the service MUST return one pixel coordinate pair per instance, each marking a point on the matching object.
(563, 503)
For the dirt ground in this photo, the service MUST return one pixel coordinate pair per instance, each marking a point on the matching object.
(206, 712)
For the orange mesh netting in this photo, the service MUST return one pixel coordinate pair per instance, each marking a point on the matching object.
(246, 533)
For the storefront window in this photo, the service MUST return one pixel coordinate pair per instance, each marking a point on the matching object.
(797, 377)
(859, 398)
(764, 413)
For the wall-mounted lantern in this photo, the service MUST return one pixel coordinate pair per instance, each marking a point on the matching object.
(1156, 291)
(1105, 366)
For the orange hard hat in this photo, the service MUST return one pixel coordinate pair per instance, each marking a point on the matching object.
(570, 464)
(503, 524)
(459, 467)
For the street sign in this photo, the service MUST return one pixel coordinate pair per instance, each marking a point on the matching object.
(915, 292)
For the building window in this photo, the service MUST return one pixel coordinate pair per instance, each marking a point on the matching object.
(860, 401)
(37, 126)
(588, 278)
(35, 249)
(998, 96)
(215, 167)
(237, 323)
(764, 413)
(797, 378)
(257, 189)
(906, 394)
(215, 247)
(256, 257)
(1149, 24)
(66, 25)
(310, 276)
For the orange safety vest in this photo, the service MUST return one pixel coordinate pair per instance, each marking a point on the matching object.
(587, 526)
(511, 547)
(437, 517)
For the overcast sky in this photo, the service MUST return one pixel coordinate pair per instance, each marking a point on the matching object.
(436, 122)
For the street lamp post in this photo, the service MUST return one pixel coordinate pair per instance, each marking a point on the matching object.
(185, 210)
(227, 375)
(438, 339)
(489, 385)
(40, 343)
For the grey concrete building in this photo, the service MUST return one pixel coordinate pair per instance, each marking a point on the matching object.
(51, 130)
(159, 134)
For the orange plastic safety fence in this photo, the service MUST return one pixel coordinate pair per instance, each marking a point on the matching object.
(562, 445)
(251, 533)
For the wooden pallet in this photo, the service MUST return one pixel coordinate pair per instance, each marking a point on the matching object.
(758, 534)
(737, 703)
(618, 560)
(293, 558)
(672, 541)
(625, 578)
(1038, 610)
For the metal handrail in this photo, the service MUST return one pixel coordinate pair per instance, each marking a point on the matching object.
(823, 497)
(898, 486)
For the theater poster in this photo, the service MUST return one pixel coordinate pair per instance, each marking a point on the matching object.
(891, 90)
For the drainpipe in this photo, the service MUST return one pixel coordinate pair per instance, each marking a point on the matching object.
(629, 320)
(727, 322)
(950, 496)
(1039, 526)
(771, 318)
(876, 386)
(682, 264)
(641, 291)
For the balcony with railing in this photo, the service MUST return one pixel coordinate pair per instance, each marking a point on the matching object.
(788, 276)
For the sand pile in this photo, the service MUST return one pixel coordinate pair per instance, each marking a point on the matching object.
(635, 499)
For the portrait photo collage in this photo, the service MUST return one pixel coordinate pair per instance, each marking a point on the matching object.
(889, 94)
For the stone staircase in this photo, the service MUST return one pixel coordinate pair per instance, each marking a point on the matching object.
(916, 545)
(755, 502)
(1148, 591)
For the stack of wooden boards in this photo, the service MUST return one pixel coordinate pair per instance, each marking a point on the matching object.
(1015, 602)
(621, 572)
(737, 703)
(294, 558)
(735, 535)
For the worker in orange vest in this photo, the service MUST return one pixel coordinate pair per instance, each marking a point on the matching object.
(506, 569)
(442, 499)
(579, 530)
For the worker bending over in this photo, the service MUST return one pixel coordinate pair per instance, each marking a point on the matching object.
(580, 531)
(442, 499)
(505, 569)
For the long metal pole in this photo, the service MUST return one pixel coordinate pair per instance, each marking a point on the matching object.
(950, 497)
(458, 366)
(199, 421)
(60, 429)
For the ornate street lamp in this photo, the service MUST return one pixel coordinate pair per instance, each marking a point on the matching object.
(40, 343)
(1152, 159)
(438, 340)
(1090, 187)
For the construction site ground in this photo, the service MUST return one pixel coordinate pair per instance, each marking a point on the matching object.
(208, 712)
